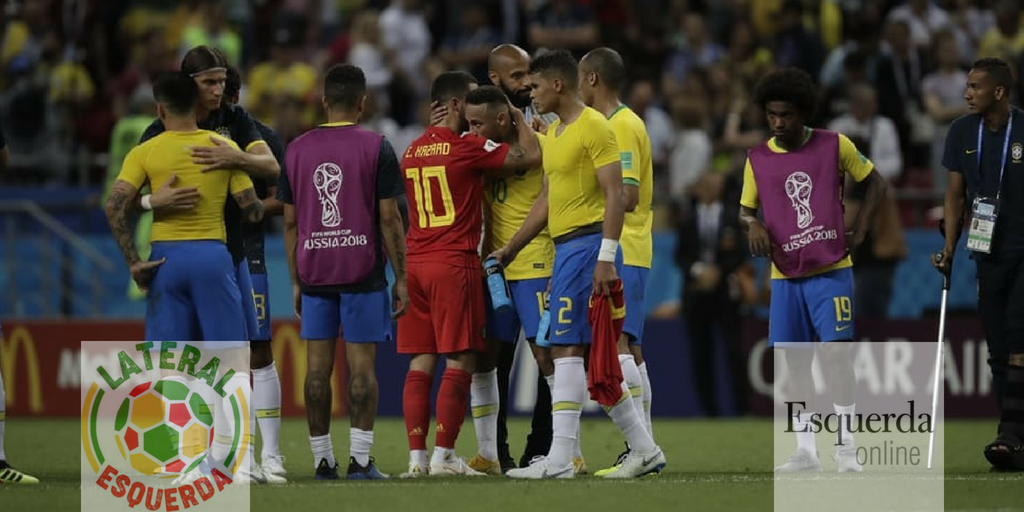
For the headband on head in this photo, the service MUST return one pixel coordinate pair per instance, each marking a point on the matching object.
(197, 73)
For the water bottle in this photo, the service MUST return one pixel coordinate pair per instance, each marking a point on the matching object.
(542, 329)
(496, 284)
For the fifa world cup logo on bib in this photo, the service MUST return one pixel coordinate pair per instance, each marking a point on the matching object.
(327, 180)
(798, 188)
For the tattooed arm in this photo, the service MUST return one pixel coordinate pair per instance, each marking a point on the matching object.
(121, 198)
(251, 205)
(393, 231)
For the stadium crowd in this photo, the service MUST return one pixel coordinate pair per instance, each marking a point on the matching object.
(75, 93)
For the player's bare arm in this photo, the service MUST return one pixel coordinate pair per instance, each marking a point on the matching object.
(757, 235)
(524, 153)
(4, 156)
(535, 222)
(610, 178)
(393, 231)
(118, 203)
(250, 204)
(272, 207)
(953, 212)
(630, 196)
(877, 188)
(291, 229)
(257, 161)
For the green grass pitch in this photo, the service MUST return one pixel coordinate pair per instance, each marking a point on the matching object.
(713, 465)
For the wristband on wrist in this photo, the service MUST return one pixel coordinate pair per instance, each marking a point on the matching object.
(147, 202)
(608, 249)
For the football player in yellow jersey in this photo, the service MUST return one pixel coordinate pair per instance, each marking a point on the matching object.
(194, 294)
(796, 178)
(507, 201)
(602, 76)
(583, 210)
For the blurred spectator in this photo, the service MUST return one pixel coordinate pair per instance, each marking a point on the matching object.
(794, 45)
(564, 24)
(691, 154)
(149, 55)
(883, 248)
(210, 28)
(404, 28)
(924, 19)
(899, 89)
(696, 49)
(874, 135)
(835, 99)
(943, 95)
(642, 100)
(1006, 39)
(369, 54)
(468, 46)
(285, 81)
(970, 23)
(748, 57)
(744, 128)
(710, 249)
(863, 32)
(376, 118)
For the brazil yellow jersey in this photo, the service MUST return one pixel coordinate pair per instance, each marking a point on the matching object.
(170, 153)
(850, 161)
(507, 203)
(637, 171)
(575, 198)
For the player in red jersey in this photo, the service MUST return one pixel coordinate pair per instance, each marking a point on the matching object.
(443, 173)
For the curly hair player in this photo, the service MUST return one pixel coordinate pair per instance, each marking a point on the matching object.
(796, 177)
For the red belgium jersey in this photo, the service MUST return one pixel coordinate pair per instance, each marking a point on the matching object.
(443, 174)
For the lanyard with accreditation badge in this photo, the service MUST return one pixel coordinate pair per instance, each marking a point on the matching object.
(984, 210)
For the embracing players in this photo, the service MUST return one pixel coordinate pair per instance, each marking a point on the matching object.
(443, 180)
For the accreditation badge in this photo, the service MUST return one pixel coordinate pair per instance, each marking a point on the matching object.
(983, 224)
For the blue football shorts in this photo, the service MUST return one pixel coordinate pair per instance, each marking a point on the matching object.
(361, 317)
(572, 282)
(194, 294)
(527, 304)
(817, 307)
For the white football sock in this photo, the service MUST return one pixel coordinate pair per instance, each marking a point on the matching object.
(805, 440)
(419, 457)
(577, 451)
(441, 454)
(484, 402)
(322, 449)
(634, 383)
(266, 397)
(3, 416)
(624, 415)
(360, 442)
(646, 397)
(845, 417)
(566, 404)
(249, 457)
(224, 425)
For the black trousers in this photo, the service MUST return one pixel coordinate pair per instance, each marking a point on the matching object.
(704, 316)
(1001, 308)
